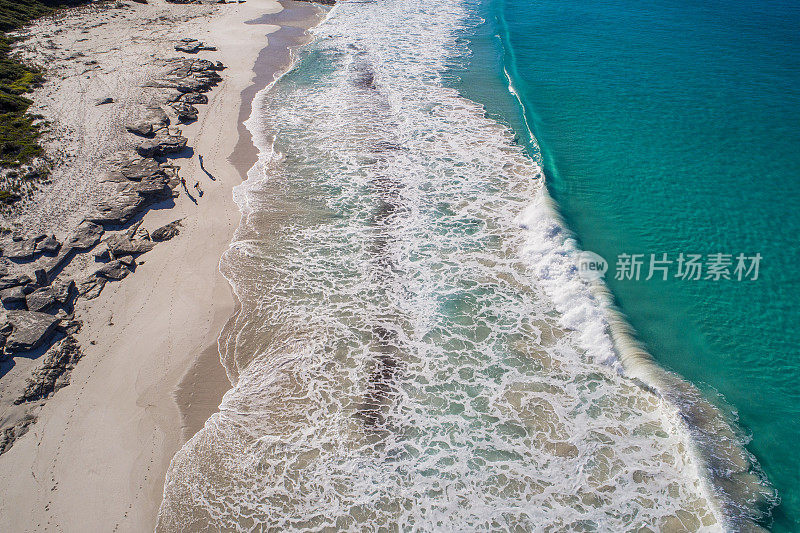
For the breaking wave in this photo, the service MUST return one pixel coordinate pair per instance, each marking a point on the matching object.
(414, 348)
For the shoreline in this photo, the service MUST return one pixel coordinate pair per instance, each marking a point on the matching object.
(248, 406)
(150, 375)
(293, 21)
(207, 374)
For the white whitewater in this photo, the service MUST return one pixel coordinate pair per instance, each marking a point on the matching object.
(414, 349)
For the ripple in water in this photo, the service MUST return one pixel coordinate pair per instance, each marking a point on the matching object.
(397, 363)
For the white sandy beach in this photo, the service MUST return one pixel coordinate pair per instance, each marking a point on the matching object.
(95, 460)
(527, 424)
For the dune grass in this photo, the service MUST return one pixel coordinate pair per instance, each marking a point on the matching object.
(18, 131)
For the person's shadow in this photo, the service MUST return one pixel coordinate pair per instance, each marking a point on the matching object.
(204, 168)
(186, 190)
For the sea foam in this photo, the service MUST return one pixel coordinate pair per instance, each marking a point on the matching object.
(414, 348)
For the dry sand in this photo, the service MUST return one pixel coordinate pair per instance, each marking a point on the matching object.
(96, 458)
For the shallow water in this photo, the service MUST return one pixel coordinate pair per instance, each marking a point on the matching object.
(404, 357)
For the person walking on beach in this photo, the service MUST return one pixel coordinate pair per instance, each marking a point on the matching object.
(199, 190)
(183, 180)
(203, 168)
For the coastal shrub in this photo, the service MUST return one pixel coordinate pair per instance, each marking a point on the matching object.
(18, 139)
(18, 130)
(8, 197)
(16, 13)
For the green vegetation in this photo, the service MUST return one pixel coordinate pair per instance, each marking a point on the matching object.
(18, 133)
(8, 197)
(16, 13)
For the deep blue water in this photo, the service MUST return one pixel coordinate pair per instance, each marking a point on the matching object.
(673, 127)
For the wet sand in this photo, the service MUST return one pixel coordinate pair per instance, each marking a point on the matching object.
(150, 376)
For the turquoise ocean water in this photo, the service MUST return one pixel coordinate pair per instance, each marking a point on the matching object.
(672, 127)
(415, 349)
